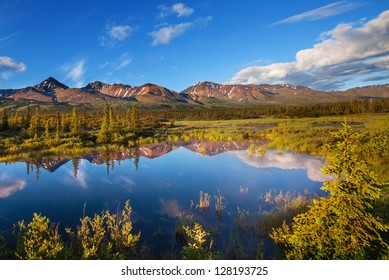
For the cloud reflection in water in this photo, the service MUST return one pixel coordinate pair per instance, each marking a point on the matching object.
(8, 185)
(286, 160)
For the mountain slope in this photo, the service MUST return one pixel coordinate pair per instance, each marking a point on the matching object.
(202, 93)
(147, 93)
(208, 92)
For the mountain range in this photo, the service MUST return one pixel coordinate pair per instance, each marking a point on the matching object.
(151, 151)
(203, 93)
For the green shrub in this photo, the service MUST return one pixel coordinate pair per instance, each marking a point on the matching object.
(38, 240)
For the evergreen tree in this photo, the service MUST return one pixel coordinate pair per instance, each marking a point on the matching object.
(47, 130)
(28, 115)
(74, 123)
(104, 135)
(111, 121)
(134, 123)
(57, 127)
(5, 124)
(34, 125)
(341, 226)
(64, 124)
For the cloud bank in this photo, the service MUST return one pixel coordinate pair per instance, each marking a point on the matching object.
(342, 54)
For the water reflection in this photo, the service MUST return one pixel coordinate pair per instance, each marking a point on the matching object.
(108, 157)
(78, 175)
(9, 185)
(160, 180)
(169, 207)
(285, 160)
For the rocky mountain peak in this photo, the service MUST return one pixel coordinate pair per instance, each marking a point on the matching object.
(50, 85)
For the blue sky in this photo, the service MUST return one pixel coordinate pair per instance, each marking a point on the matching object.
(321, 44)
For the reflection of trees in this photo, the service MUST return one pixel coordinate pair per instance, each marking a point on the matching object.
(75, 163)
(136, 155)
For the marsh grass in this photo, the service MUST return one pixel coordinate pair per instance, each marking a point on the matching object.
(204, 201)
(281, 207)
(219, 204)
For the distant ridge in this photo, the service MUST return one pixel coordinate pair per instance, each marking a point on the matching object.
(202, 93)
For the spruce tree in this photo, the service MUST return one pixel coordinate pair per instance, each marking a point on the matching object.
(134, 123)
(111, 121)
(5, 124)
(63, 123)
(342, 225)
(34, 125)
(74, 123)
(57, 127)
(47, 130)
(28, 115)
(104, 135)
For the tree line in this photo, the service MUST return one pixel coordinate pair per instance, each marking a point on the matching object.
(294, 111)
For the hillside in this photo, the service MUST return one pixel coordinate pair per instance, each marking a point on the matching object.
(51, 91)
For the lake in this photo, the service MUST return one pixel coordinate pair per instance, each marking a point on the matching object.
(163, 182)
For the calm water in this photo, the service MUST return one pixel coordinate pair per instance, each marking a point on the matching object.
(160, 181)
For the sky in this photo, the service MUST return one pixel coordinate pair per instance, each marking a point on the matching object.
(325, 45)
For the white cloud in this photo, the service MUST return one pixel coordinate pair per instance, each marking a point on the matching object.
(180, 9)
(333, 9)
(286, 160)
(9, 186)
(164, 35)
(76, 72)
(8, 66)
(115, 34)
(120, 32)
(342, 54)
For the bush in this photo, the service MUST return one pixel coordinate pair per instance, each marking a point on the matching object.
(38, 240)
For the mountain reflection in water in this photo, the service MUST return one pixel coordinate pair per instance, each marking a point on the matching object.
(162, 181)
(149, 151)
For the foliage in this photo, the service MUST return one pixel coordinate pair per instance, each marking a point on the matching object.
(38, 240)
(5, 253)
(197, 248)
(342, 225)
(106, 236)
(134, 122)
(4, 123)
(75, 128)
(283, 207)
(104, 135)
